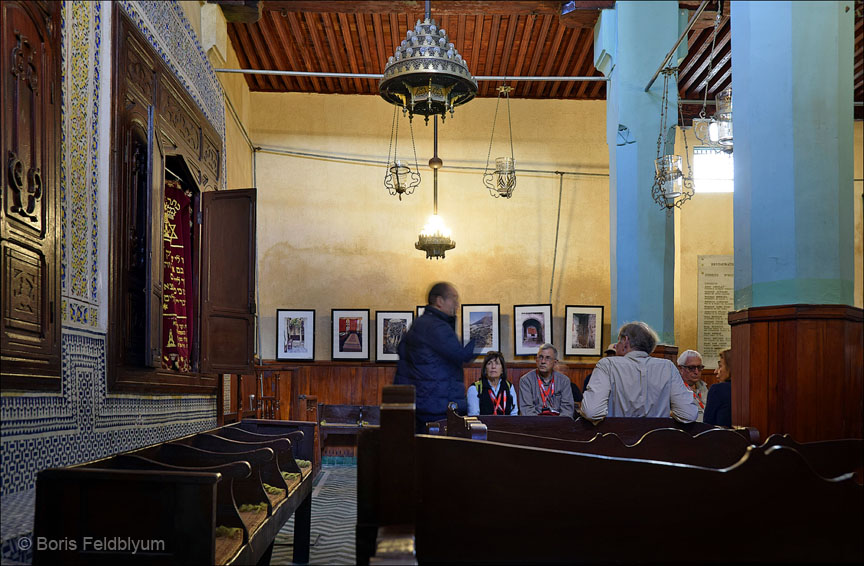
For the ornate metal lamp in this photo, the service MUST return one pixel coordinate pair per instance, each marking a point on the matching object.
(399, 179)
(671, 187)
(427, 75)
(434, 238)
(502, 180)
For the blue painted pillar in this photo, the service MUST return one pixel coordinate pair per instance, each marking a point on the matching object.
(641, 234)
(792, 120)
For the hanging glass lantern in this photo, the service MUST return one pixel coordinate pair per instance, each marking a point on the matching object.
(502, 180)
(724, 118)
(399, 179)
(672, 187)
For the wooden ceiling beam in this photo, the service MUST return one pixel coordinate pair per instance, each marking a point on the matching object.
(587, 47)
(281, 28)
(550, 59)
(574, 39)
(348, 41)
(278, 52)
(522, 48)
(507, 49)
(693, 58)
(318, 44)
(438, 8)
(299, 36)
(251, 55)
(695, 75)
(539, 46)
(491, 51)
(478, 41)
(335, 48)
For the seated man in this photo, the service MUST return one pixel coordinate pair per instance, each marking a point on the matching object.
(633, 384)
(690, 366)
(544, 391)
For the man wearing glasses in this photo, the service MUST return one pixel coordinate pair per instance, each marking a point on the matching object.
(690, 366)
(544, 391)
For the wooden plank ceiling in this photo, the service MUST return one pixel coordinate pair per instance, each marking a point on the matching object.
(513, 38)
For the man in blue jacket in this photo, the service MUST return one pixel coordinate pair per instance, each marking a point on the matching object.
(431, 357)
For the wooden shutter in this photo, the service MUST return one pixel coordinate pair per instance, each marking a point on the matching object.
(228, 281)
(156, 264)
(29, 219)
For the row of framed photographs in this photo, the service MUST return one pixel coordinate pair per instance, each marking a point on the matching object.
(350, 329)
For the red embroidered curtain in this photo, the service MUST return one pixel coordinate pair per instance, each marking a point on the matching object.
(177, 279)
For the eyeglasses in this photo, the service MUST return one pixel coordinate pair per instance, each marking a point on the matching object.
(693, 368)
(545, 358)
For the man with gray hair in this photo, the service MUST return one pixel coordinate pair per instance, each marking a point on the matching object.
(633, 384)
(690, 366)
(544, 391)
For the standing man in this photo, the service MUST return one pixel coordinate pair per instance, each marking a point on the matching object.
(633, 384)
(431, 357)
(690, 366)
(544, 391)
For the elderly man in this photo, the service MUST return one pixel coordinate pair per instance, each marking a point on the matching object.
(431, 357)
(544, 391)
(633, 384)
(690, 366)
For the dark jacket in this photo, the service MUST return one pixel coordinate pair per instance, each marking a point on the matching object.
(431, 359)
(718, 409)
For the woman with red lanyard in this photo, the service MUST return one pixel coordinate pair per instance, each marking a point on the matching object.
(492, 394)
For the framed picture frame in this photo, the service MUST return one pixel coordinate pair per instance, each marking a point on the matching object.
(390, 327)
(484, 323)
(583, 330)
(295, 334)
(350, 332)
(532, 327)
(422, 308)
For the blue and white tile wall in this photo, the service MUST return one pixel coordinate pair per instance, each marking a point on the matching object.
(84, 421)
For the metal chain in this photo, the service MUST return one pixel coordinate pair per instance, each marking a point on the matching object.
(717, 18)
(492, 137)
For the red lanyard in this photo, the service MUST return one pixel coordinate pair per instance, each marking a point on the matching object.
(500, 401)
(698, 398)
(546, 393)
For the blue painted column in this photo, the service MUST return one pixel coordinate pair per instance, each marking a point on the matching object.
(642, 246)
(792, 120)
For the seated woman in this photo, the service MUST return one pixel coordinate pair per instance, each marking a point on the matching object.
(718, 408)
(492, 394)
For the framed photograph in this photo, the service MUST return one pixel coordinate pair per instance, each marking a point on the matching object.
(422, 308)
(390, 326)
(295, 334)
(483, 323)
(532, 327)
(350, 329)
(583, 329)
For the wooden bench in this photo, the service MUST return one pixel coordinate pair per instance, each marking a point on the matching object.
(627, 429)
(345, 420)
(434, 495)
(200, 499)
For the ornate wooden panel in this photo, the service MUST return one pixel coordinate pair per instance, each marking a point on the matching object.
(29, 66)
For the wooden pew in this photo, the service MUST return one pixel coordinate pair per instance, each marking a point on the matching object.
(628, 430)
(345, 420)
(133, 496)
(439, 493)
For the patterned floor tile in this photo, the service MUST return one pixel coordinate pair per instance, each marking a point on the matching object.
(334, 516)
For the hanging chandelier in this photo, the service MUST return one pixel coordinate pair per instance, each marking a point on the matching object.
(434, 238)
(399, 179)
(502, 180)
(671, 187)
(426, 75)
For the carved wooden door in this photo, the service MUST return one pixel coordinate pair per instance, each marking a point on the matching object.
(29, 215)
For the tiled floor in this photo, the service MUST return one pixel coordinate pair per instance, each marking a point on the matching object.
(334, 516)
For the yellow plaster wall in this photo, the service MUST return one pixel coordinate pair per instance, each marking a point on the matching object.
(329, 235)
